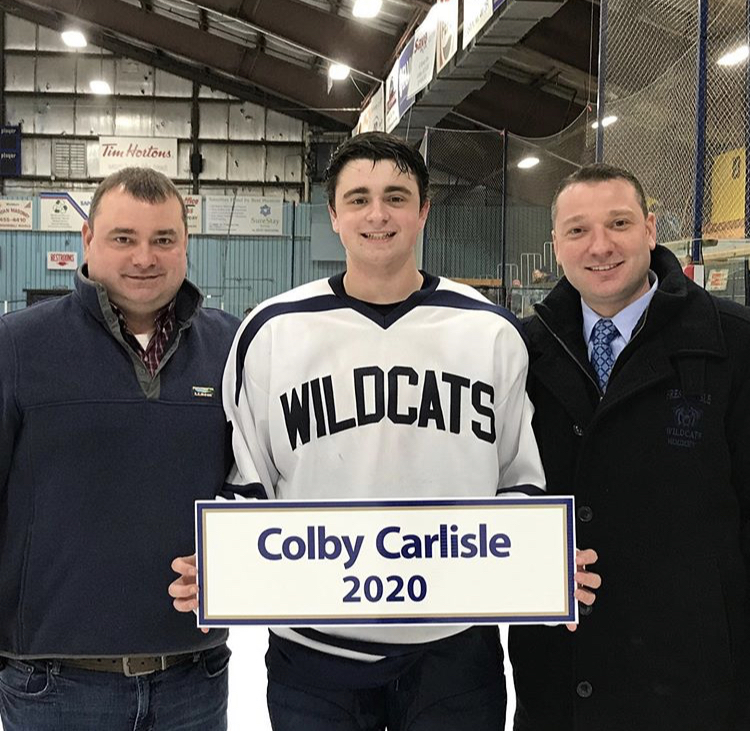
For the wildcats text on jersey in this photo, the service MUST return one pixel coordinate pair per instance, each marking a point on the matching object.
(402, 395)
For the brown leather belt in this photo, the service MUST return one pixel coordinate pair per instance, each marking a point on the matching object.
(129, 666)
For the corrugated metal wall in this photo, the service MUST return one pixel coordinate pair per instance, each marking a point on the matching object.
(234, 272)
(238, 272)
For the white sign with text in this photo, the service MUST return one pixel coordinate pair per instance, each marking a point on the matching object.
(159, 153)
(62, 260)
(244, 215)
(484, 560)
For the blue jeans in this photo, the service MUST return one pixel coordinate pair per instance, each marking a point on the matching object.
(44, 695)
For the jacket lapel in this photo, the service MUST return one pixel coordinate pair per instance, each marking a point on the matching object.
(560, 358)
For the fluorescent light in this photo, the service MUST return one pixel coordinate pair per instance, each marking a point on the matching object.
(735, 57)
(99, 86)
(528, 162)
(338, 71)
(609, 119)
(74, 39)
(366, 8)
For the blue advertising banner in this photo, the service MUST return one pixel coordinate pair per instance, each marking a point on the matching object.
(405, 61)
(10, 151)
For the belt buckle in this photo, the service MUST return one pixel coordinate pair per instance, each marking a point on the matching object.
(134, 674)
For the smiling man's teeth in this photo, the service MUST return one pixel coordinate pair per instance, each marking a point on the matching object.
(605, 268)
(379, 237)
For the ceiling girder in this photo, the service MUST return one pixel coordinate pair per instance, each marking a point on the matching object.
(270, 73)
(245, 91)
(346, 41)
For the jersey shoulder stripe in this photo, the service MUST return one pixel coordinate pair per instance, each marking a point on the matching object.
(459, 300)
(321, 303)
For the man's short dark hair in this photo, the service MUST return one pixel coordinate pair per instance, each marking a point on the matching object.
(143, 184)
(377, 146)
(600, 172)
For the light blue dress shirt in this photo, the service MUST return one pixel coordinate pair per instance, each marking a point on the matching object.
(625, 320)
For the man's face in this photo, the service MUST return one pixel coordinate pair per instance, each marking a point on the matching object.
(377, 216)
(603, 243)
(138, 251)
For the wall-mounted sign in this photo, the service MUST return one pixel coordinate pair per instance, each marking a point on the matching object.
(423, 56)
(62, 260)
(391, 100)
(372, 118)
(244, 215)
(64, 211)
(476, 15)
(398, 101)
(447, 32)
(16, 215)
(194, 205)
(717, 280)
(10, 151)
(158, 153)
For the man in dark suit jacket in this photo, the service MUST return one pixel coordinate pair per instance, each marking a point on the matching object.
(641, 384)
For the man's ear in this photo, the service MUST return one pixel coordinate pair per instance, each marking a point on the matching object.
(87, 233)
(334, 218)
(651, 230)
(423, 213)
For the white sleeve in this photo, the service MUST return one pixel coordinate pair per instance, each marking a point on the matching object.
(246, 406)
(520, 463)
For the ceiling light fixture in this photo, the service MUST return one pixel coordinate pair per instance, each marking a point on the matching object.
(528, 162)
(366, 8)
(609, 119)
(99, 86)
(338, 71)
(735, 57)
(74, 39)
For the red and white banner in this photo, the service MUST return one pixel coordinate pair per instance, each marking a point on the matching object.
(194, 205)
(158, 153)
(62, 260)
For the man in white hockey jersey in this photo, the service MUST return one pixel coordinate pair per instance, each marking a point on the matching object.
(381, 382)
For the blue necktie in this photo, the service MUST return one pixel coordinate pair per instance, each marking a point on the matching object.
(602, 357)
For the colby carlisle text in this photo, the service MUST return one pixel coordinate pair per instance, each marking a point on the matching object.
(317, 544)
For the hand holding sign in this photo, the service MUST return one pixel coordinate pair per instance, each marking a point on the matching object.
(289, 563)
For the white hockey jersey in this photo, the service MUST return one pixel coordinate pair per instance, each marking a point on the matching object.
(330, 399)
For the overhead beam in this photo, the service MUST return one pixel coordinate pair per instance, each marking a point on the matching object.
(334, 37)
(280, 77)
(571, 35)
(519, 108)
(332, 120)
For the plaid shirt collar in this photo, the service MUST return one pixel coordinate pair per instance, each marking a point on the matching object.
(164, 324)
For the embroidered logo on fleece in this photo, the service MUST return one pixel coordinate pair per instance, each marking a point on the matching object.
(203, 391)
(685, 431)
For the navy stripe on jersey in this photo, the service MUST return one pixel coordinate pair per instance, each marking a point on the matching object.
(387, 649)
(446, 298)
(250, 490)
(429, 285)
(321, 303)
(530, 490)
